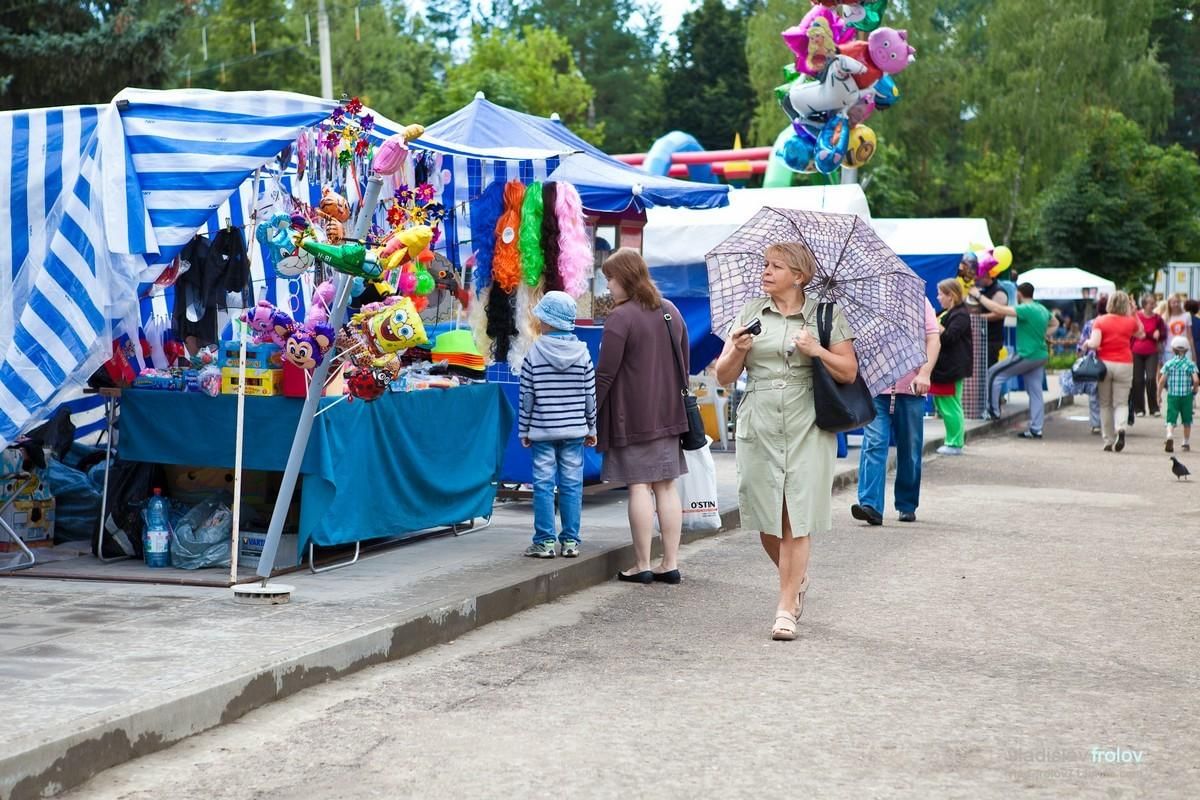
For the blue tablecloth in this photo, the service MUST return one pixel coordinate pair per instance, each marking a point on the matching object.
(406, 462)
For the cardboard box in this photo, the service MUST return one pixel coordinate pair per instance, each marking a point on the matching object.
(258, 356)
(33, 521)
(259, 382)
(250, 547)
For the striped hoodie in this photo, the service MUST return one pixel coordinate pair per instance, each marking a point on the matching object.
(558, 390)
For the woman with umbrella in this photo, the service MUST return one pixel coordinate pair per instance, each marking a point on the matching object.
(785, 462)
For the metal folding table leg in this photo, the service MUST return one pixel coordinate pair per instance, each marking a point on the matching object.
(312, 561)
(462, 529)
(110, 412)
(13, 534)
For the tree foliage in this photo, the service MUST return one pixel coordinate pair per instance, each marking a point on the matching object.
(532, 71)
(706, 84)
(615, 45)
(65, 52)
(1123, 207)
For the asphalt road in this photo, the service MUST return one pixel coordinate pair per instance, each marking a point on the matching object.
(1033, 635)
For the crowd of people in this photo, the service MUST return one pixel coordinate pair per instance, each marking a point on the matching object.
(629, 404)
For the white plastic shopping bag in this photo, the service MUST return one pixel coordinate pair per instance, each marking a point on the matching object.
(698, 491)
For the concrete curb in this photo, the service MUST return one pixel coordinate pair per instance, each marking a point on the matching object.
(59, 760)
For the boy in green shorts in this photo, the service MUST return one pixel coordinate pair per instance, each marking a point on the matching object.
(1178, 376)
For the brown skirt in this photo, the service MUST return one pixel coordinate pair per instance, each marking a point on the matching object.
(645, 462)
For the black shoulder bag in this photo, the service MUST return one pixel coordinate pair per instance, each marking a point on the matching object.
(841, 407)
(694, 438)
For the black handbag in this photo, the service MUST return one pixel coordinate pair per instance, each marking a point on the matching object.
(694, 438)
(1088, 369)
(841, 407)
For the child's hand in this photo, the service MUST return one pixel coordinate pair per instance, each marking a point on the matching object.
(526, 443)
(589, 441)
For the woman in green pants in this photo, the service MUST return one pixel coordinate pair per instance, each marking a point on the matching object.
(955, 362)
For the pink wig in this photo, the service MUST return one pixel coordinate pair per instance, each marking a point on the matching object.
(575, 259)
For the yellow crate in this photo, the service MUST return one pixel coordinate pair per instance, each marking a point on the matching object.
(259, 382)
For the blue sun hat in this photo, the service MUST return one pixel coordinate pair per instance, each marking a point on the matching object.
(556, 309)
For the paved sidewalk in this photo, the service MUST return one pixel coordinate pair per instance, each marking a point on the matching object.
(97, 674)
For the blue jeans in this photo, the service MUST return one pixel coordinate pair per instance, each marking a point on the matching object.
(907, 420)
(1034, 371)
(557, 463)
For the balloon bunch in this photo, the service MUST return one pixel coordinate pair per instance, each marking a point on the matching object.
(281, 236)
(837, 82)
(304, 344)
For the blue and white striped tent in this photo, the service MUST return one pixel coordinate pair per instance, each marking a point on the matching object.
(101, 198)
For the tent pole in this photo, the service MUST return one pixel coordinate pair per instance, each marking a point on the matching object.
(316, 387)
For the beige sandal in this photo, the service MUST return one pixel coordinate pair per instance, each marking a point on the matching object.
(785, 627)
(800, 598)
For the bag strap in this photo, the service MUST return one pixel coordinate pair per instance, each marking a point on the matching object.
(825, 323)
(683, 389)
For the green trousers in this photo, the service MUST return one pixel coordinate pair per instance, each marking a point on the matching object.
(949, 408)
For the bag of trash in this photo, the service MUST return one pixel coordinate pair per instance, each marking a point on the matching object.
(203, 537)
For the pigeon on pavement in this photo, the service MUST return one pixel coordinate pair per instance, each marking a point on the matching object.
(1179, 469)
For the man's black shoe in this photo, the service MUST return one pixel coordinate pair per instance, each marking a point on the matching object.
(866, 514)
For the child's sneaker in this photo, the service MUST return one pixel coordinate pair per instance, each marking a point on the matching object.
(570, 549)
(1170, 446)
(540, 550)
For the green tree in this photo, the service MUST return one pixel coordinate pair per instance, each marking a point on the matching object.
(706, 86)
(1178, 28)
(531, 71)
(766, 56)
(1123, 207)
(62, 52)
(615, 44)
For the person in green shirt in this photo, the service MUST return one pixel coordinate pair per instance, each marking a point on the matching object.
(1034, 324)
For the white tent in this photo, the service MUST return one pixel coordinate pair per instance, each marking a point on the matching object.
(952, 236)
(1066, 283)
(684, 236)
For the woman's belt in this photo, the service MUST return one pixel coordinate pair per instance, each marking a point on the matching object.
(753, 384)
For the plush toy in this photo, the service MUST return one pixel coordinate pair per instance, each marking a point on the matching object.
(886, 52)
(334, 206)
(837, 91)
(307, 345)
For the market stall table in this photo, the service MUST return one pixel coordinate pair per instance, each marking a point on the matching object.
(404, 463)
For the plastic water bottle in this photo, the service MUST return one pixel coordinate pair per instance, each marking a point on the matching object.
(156, 541)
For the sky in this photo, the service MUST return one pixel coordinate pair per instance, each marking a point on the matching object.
(672, 13)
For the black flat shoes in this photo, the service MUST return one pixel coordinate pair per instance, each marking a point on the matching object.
(637, 577)
(670, 576)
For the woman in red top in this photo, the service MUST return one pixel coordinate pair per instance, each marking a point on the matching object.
(1145, 358)
(1112, 337)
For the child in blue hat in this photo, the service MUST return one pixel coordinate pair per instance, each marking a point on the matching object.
(557, 419)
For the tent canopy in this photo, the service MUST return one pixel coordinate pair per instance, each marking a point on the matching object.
(605, 185)
(1067, 283)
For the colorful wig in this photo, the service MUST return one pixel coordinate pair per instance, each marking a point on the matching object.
(484, 212)
(575, 259)
(501, 321)
(506, 259)
(553, 280)
(532, 262)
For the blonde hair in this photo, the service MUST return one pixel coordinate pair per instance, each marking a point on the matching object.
(952, 287)
(1120, 304)
(798, 257)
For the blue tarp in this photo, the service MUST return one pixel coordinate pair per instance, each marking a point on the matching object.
(397, 448)
(605, 184)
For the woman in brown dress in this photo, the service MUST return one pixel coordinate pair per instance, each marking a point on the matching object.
(642, 370)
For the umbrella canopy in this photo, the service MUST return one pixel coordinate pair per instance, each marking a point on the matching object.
(883, 300)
